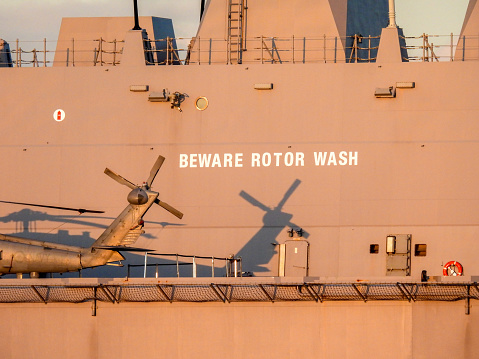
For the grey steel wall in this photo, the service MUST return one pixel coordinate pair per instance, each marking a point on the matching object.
(397, 330)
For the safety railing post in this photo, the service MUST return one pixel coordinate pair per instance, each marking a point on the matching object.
(114, 52)
(177, 267)
(209, 53)
(167, 50)
(146, 259)
(73, 52)
(369, 48)
(452, 47)
(212, 267)
(262, 50)
(101, 51)
(423, 47)
(199, 50)
(324, 48)
(304, 50)
(44, 52)
(292, 48)
(17, 55)
(194, 267)
(335, 48)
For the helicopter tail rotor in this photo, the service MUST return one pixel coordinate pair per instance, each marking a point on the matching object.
(138, 195)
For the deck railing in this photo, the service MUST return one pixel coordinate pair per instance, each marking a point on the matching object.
(434, 48)
(226, 290)
(170, 265)
(263, 50)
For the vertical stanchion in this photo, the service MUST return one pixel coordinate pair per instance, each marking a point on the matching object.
(335, 48)
(73, 52)
(194, 267)
(101, 51)
(209, 55)
(324, 48)
(199, 50)
(114, 52)
(177, 267)
(146, 258)
(16, 54)
(262, 47)
(304, 50)
(452, 47)
(44, 52)
(293, 47)
(167, 50)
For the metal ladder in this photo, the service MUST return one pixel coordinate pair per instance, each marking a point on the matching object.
(235, 31)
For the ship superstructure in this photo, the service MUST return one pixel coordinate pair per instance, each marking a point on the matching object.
(303, 136)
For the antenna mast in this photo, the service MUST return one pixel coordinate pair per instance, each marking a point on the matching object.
(202, 9)
(392, 14)
(137, 23)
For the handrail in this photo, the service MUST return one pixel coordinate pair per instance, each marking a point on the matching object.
(232, 265)
(261, 49)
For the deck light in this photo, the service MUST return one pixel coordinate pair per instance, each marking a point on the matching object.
(391, 244)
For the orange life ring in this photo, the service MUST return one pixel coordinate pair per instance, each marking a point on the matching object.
(452, 268)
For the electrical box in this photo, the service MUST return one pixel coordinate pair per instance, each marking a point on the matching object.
(398, 250)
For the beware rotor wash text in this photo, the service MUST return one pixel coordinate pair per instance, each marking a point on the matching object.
(267, 159)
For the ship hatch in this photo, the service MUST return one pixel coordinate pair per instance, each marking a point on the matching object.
(294, 258)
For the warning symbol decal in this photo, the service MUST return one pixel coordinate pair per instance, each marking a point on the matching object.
(59, 115)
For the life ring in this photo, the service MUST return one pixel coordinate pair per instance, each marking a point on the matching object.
(452, 268)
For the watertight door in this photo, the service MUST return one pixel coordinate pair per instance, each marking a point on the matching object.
(296, 258)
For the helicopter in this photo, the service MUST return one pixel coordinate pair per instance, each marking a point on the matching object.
(20, 255)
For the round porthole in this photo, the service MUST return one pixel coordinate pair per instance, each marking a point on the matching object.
(201, 103)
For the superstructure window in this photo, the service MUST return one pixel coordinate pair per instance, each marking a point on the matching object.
(374, 248)
(420, 250)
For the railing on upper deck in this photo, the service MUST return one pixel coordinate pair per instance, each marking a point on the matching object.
(198, 266)
(434, 48)
(263, 50)
(97, 52)
(266, 50)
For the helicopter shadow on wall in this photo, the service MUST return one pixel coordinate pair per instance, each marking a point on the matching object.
(255, 254)
(261, 248)
(25, 227)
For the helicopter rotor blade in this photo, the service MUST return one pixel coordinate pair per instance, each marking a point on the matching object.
(154, 170)
(80, 210)
(169, 208)
(120, 179)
